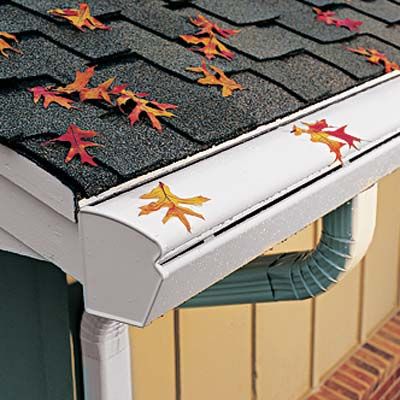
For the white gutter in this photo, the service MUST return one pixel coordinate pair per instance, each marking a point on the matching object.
(263, 188)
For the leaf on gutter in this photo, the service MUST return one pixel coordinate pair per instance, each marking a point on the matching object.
(321, 132)
(76, 137)
(151, 108)
(376, 57)
(50, 95)
(206, 39)
(328, 17)
(218, 79)
(80, 18)
(174, 204)
(4, 45)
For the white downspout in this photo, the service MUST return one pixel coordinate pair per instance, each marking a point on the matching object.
(106, 359)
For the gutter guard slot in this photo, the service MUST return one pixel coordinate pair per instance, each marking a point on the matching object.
(346, 235)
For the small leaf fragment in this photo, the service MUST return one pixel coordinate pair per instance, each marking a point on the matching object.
(151, 108)
(50, 95)
(321, 132)
(376, 57)
(76, 138)
(166, 199)
(4, 45)
(328, 17)
(218, 79)
(80, 18)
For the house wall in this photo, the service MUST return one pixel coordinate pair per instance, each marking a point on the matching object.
(273, 351)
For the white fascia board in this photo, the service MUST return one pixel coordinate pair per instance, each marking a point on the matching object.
(261, 191)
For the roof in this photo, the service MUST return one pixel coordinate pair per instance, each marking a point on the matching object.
(285, 59)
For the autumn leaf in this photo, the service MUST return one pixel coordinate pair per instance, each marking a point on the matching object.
(328, 17)
(80, 18)
(151, 108)
(166, 199)
(76, 138)
(100, 92)
(50, 95)
(219, 79)
(82, 79)
(321, 132)
(376, 57)
(4, 45)
(209, 28)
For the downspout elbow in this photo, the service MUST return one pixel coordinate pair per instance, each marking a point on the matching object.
(346, 235)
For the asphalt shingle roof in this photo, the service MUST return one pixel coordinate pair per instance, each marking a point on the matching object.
(285, 59)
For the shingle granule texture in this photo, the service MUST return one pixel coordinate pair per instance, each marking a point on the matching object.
(284, 58)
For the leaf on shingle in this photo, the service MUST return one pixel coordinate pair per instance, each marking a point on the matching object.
(50, 95)
(82, 79)
(101, 92)
(4, 45)
(152, 109)
(174, 204)
(376, 57)
(328, 17)
(80, 18)
(218, 79)
(206, 39)
(321, 132)
(77, 137)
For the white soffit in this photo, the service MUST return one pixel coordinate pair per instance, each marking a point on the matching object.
(260, 192)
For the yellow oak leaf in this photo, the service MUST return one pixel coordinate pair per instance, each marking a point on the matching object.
(4, 45)
(166, 199)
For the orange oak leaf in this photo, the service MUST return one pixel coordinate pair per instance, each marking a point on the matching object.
(4, 45)
(328, 17)
(166, 199)
(100, 92)
(151, 108)
(376, 57)
(217, 79)
(80, 18)
(76, 138)
(82, 79)
(50, 95)
(209, 28)
(321, 132)
(211, 46)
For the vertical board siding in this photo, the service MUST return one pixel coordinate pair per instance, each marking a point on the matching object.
(382, 260)
(283, 337)
(215, 346)
(153, 360)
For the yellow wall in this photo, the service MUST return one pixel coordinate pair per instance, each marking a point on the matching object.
(272, 351)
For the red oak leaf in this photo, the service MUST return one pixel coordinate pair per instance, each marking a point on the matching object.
(151, 108)
(76, 138)
(80, 18)
(4, 45)
(209, 28)
(321, 132)
(376, 57)
(219, 79)
(328, 17)
(100, 92)
(82, 79)
(50, 95)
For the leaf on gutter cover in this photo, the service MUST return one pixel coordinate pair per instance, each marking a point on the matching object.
(50, 95)
(4, 45)
(76, 138)
(151, 108)
(328, 17)
(80, 18)
(206, 38)
(166, 199)
(376, 57)
(321, 132)
(218, 79)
